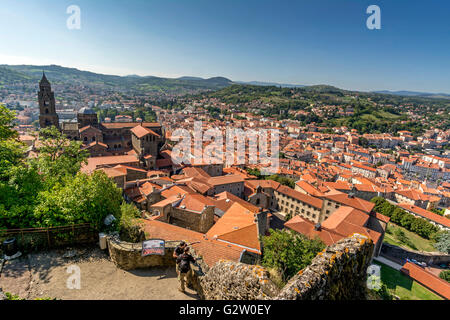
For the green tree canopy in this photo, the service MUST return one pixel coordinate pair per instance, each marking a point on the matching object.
(288, 252)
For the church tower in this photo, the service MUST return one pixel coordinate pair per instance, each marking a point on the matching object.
(47, 108)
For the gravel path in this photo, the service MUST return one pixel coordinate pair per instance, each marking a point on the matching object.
(45, 275)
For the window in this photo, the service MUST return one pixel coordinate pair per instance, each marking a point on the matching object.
(93, 138)
(85, 139)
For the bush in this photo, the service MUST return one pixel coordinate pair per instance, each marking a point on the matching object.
(129, 227)
(443, 241)
(399, 216)
(384, 293)
(288, 252)
(445, 275)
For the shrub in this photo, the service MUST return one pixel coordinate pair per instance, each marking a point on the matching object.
(129, 226)
(399, 216)
(288, 252)
(445, 275)
(443, 242)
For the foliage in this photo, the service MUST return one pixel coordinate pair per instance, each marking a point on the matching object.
(443, 242)
(440, 212)
(50, 191)
(275, 177)
(445, 275)
(400, 234)
(82, 199)
(419, 226)
(384, 293)
(282, 180)
(129, 227)
(288, 252)
(59, 156)
(10, 296)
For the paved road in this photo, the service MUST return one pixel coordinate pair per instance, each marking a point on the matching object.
(387, 262)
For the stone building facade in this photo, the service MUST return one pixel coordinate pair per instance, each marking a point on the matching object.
(47, 106)
(101, 138)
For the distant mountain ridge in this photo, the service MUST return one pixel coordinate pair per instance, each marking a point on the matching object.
(32, 74)
(261, 83)
(10, 74)
(415, 94)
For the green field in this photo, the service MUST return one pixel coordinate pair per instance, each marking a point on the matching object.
(416, 242)
(404, 287)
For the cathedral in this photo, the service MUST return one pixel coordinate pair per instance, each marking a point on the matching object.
(103, 139)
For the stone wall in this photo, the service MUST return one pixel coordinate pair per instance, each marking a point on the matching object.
(337, 273)
(401, 254)
(128, 256)
(228, 280)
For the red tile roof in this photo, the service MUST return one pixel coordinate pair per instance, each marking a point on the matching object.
(429, 280)
(317, 203)
(211, 250)
(354, 202)
(237, 226)
(141, 131)
(343, 222)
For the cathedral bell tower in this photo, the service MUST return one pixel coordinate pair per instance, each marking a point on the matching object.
(47, 108)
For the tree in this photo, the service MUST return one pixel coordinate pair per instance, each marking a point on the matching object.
(59, 156)
(81, 199)
(6, 124)
(288, 252)
(443, 242)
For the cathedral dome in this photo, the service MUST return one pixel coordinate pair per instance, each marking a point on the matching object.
(86, 110)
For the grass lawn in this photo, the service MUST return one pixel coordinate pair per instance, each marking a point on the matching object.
(418, 243)
(403, 286)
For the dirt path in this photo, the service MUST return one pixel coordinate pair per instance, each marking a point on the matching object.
(45, 275)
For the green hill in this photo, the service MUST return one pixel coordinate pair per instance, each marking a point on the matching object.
(56, 74)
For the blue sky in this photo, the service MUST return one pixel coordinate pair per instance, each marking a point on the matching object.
(300, 42)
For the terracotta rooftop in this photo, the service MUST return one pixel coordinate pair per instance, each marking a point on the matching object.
(429, 280)
(342, 223)
(238, 226)
(211, 250)
(221, 180)
(300, 196)
(95, 162)
(141, 131)
(309, 188)
(355, 202)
